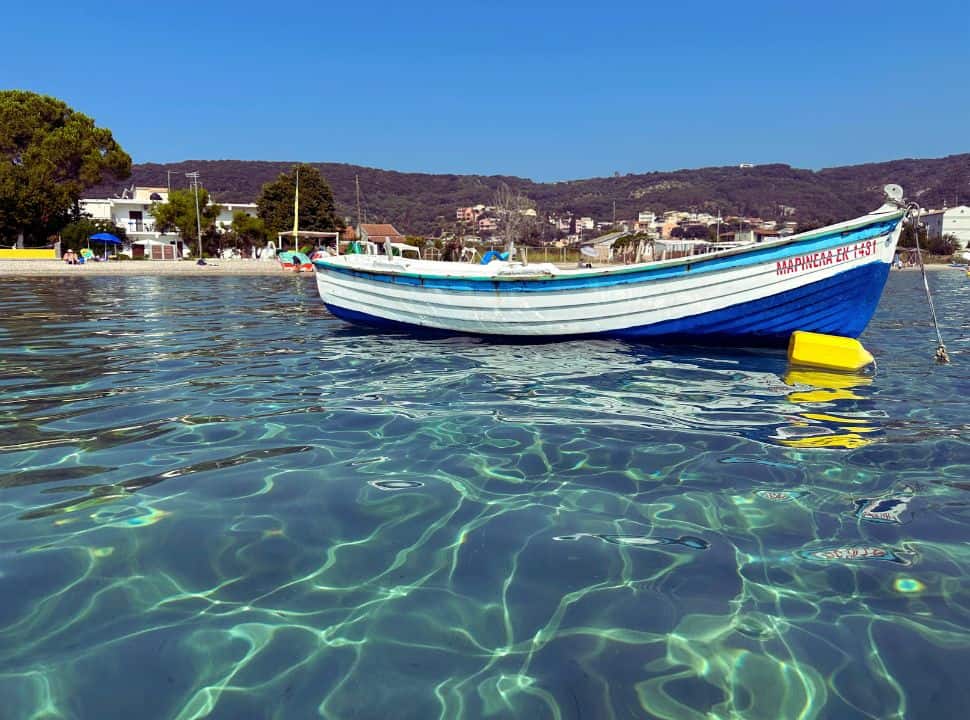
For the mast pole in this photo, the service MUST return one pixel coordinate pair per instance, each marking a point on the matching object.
(296, 213)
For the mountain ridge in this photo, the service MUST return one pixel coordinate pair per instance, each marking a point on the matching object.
(423, 203)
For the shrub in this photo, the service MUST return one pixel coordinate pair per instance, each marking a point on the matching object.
(946, 245)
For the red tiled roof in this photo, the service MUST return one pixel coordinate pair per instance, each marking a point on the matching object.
(380, 230)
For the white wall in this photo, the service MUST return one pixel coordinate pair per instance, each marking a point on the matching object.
(952, 221)
(956, 221)
(118, 210)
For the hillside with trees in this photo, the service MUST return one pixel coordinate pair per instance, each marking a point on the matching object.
(426, 203)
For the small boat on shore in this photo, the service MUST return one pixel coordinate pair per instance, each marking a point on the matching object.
(295, 261)
(827, 280)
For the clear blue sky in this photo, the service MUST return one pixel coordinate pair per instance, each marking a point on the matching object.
(550, 91)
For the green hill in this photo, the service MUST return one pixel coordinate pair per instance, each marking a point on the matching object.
(423, 203)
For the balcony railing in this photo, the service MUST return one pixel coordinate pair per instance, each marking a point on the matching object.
(139, 226)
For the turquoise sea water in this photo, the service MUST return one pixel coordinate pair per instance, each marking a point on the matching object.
(218, 501)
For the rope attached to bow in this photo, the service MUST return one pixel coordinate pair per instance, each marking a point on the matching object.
(913, 211)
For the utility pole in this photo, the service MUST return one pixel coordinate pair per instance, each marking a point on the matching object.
(169, 173)
(357, 185)
(194, 176)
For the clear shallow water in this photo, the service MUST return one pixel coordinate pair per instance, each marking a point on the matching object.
(218, 501)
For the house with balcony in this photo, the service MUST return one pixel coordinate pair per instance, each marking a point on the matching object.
(132, 211)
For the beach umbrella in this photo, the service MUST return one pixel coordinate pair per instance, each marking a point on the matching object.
(107, 239)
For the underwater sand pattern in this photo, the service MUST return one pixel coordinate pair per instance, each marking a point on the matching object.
(218, 501)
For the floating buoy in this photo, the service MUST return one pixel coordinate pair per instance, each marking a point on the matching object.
(831, 352)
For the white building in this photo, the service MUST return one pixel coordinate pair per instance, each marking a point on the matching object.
(949, 221)
(132, 211)
(224, 219)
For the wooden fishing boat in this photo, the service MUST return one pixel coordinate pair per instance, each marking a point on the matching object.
(827, 280)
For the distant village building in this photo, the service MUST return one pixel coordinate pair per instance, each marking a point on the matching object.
(949, 221)
(378, 233)
(603, 245)
(764, 233)
(466, 214)
(487, 225)
(671, 221)
(748, 235)
(132, 211)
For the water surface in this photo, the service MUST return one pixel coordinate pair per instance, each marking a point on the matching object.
(218, 501)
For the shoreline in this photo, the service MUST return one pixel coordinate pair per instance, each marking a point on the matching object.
(50, 268)
(38, 268)
(931, 266)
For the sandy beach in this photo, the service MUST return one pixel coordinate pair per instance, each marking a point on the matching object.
(20, 268)
(931, 266)
(136, 267)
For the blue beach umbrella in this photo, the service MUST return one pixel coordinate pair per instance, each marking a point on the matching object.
(107, 239)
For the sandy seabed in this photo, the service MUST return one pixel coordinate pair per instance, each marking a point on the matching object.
(143, 267)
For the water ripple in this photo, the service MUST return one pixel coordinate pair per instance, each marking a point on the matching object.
(218, 494)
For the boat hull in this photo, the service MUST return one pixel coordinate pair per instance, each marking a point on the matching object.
(828, 281)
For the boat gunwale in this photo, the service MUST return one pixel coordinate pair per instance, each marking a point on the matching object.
(622, 274)
(846, 226)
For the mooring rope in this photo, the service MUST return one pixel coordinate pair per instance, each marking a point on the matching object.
(941, 355)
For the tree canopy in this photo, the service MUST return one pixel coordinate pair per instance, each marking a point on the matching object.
(179, 214)
(515, 215)
(49, 154)
(75, 235)
(249, 229)
(317, 210)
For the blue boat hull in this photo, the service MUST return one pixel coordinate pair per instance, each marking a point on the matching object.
(840, 305)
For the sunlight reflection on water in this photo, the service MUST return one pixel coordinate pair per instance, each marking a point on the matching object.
(230, 501)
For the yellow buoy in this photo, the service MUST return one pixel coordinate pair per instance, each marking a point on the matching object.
(827, 351)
